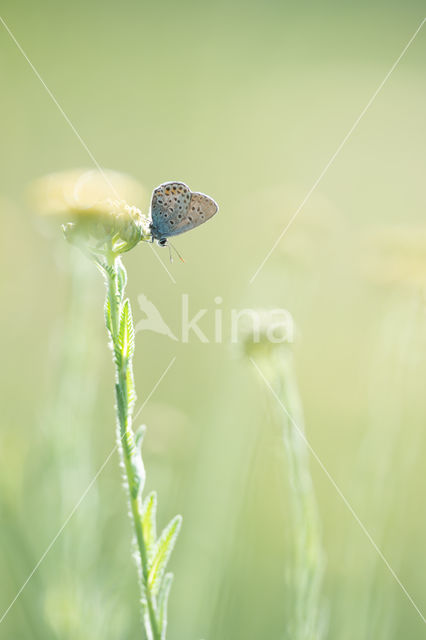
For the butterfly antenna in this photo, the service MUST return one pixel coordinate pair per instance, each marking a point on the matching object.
(176, 251)
(170, 253)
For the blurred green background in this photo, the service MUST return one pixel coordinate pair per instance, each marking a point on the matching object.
(245, 101)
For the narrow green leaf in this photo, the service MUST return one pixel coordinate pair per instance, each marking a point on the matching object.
(131, 390)
(121, 278)
(110, 271)
(117, 357)
(136, 462)
(102, 266)
(139, 436)
(126, 335)
(149, 522)
(163, 550)
(107, 311)
(121, 405)
(163, 598)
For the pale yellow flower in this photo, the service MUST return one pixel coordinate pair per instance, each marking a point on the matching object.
(102, 205)
(396, 256)
(266, 332)
(81, 190)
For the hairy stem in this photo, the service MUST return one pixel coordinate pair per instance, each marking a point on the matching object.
(125, 398)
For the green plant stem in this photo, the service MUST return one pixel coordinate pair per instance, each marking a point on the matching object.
(307, 618)
(127, 443)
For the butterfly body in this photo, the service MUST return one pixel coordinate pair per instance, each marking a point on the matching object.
(176, 209)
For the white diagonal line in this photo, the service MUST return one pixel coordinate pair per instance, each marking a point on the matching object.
(337, 488)
(336, 153)
(80, 139)
(82, 497)
(162, 264)
(76, 506)
(90, 154)
(171, 363)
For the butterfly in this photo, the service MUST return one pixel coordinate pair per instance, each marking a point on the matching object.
(176, 209)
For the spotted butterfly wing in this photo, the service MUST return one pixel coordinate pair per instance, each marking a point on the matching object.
(175, 209)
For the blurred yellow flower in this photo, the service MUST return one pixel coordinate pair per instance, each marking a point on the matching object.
(94, 203)
(267, 331)
(396, 256)
(82, 190)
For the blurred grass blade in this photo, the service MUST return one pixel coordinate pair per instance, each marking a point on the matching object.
(163, 598)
